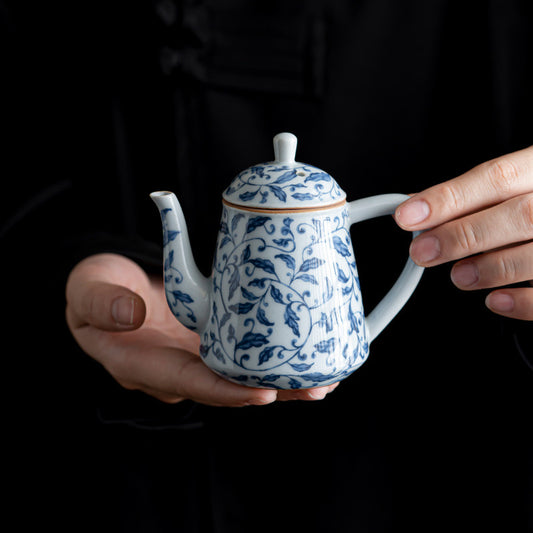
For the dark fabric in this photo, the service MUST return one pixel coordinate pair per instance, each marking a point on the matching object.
(103, 103)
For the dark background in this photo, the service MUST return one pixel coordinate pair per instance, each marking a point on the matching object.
(103, 103)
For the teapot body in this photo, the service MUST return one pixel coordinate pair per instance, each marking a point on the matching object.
(283, 307)
(286, 309)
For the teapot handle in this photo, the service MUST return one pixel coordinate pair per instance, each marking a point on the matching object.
(403, 288)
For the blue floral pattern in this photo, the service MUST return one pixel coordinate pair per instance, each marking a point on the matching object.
(178, 296)
(286, 309)
(282, 186)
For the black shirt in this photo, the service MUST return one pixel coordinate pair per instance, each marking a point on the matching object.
(105, 104)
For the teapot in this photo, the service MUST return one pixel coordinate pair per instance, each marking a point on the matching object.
(282, 307)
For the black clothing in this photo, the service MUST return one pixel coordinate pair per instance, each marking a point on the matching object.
(104, 104)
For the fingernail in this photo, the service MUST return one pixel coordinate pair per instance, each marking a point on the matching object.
(413, 212)
(425, 249)
(122, 310)
(317, 394)
(465, 274)
(500, 302)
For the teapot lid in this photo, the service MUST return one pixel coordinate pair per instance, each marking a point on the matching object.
(283, 183)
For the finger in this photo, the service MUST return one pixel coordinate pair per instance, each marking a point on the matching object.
(512, 303)
(313, 394)
(172, 375)
(178, 374)
(485, 185)
(501, 225)
(495, 269)
(105, 306)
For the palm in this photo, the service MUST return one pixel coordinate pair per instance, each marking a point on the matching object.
(160, 357)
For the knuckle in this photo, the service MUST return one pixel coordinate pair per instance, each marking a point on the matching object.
(468, 237)
(452, 196)
(503, 173)
(507, 269)
(527, 210)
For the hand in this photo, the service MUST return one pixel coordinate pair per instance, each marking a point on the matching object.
(485, 218)
(121, 318)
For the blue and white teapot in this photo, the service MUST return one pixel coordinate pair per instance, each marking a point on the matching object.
(282, 307)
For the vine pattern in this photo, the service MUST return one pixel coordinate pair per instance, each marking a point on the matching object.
(178, 298)
(286, 305)
(282, 184)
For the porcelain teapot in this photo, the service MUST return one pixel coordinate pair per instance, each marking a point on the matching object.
(283, 306)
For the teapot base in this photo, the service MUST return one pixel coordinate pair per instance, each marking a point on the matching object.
(295, 381)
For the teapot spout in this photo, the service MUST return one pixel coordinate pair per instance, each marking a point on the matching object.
(187, 289)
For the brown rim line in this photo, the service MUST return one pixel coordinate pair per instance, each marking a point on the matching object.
(286, 210)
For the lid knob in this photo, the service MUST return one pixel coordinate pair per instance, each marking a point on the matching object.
(285, 147)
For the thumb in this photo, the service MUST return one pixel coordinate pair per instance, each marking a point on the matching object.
(103, 305)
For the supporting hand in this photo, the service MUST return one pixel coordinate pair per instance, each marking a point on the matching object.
(120, 317)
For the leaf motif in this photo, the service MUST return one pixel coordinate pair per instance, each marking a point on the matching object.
(249, 195)
(341, 248)
(294, 384)
(224, 228)
(224, 241)
(255, 223)
(169, 260)
(231, 333)
(287, 259)
(182, 297)
(249, 295)
(317, 176)
(326, 322)
(325, 346)
(302, 196)
(234, 281)
(276, 295)
(235, 221)
(224, 319)
(258, 282)
(343, 278)
(353, 321)
(279, 192)
(169, 236)
(264, 264)
(291, 319)
(315, 376)
(217, 352)
(245, 255)
(271, 377)
(283, 242)
(266, 354)
(242, 308)
(286, 229)
(311, 264)
(308, 278)
(287, 176)
(261, 316)
(301, 367)
(252, 340)
(257, 169)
